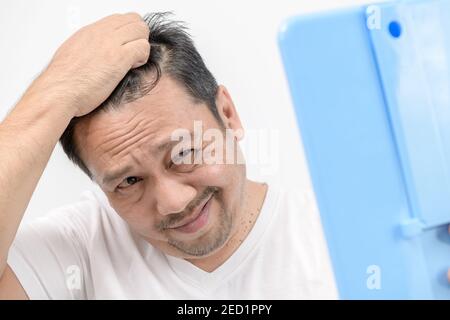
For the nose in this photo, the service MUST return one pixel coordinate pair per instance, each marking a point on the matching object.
(172, 196)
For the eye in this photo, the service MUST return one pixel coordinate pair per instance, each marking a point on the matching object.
(127, 182)
(186, 152)
(185, 160)
(182, 156)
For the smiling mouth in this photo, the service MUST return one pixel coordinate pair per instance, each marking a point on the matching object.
(197, 221)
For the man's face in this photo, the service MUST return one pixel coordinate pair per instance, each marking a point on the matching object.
(185, 208)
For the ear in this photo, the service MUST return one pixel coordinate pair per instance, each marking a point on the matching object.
(228, 113)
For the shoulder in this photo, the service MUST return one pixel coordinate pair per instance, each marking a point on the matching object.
(293, 215)
(297, 237)
(296, 203)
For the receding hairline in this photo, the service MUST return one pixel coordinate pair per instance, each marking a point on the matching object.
(79, 136)
(175, 52)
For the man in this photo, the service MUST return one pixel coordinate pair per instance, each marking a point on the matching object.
(172, 221)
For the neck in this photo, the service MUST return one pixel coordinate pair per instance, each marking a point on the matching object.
(254, 196)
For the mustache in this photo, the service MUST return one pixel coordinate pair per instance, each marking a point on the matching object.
(175, 218)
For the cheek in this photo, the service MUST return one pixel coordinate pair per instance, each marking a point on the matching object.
(222, 176)
(229, 179)
(139, 217)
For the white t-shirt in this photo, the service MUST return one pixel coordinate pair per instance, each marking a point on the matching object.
(86, 251)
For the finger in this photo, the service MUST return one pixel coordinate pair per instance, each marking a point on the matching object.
(137, 52)
(117, 20)
(129, 17)
(132, 31)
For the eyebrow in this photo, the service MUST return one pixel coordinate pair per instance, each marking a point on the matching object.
(170, 143)
(166, 145)
(115, 174)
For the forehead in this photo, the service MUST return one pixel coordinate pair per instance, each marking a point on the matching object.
(110, 137)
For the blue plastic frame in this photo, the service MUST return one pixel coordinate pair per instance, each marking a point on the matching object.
(373, 108)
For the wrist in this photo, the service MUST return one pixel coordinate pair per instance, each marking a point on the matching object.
(38, 116)
(51, 93)
(44, 103)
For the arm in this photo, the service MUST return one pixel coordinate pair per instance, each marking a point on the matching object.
(81, 75)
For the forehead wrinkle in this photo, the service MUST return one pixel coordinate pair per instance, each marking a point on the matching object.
(110, 138)
(124, 142)
(146, 111)
(96, 122)
(144, 136)
(122, 130)
(157, 147)
(125, 149)
(123, 124)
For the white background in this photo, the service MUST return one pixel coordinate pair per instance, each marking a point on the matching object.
(237, 39)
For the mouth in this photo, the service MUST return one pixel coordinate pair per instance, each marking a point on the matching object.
(197, 221)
